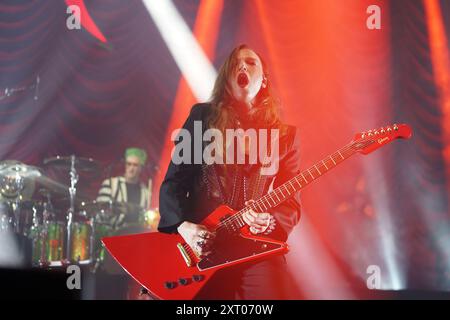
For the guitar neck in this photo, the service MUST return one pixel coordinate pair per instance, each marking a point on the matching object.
(301, 180)
(295, 184)
(364, 142)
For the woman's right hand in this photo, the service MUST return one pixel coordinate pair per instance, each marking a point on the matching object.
(197, 236)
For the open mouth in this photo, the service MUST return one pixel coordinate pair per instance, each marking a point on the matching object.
(242, 80)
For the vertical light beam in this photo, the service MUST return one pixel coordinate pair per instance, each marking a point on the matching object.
(189, 56)
(441, 68)
(206, 29)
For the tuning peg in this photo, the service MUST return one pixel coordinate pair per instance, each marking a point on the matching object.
(376, 132)
(389, 129)
(369, 133)
(363, 134)
(382, 130)
(395, 127)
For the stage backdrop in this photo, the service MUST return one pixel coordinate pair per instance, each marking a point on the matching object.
(114, 83)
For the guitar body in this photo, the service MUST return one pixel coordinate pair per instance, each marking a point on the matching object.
(168, 268)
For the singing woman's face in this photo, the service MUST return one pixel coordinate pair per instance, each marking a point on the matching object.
(247, 76)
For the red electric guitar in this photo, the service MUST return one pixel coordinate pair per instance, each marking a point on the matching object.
(169, 269)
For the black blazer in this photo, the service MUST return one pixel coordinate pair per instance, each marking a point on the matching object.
(185, 195)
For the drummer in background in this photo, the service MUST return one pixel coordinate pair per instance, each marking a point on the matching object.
(127, 188)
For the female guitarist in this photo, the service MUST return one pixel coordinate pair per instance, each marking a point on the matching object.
(241, 99)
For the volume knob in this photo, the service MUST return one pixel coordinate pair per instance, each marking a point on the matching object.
(197, 277)
(169, 285)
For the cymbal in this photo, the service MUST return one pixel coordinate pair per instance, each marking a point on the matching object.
(52, 186)
(12, 172)
(13, 168)
(17, 179)
(81, 164)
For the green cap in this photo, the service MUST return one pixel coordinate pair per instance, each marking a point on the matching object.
(140, 153)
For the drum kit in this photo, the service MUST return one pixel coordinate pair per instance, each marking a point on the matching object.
(63, 227)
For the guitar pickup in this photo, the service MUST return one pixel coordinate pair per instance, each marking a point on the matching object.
(185, 254)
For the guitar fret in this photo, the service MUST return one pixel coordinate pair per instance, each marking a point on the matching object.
(311, 174)
(303, 177)
(240, 221)
(341, 155)
(331, 157)
(296, 180)
(276, 195)
(260, 209)
(317, 170)
(324, 164)
(262, 202)
(270, 196)
(293, 188)
(287, 189)
(275, 200)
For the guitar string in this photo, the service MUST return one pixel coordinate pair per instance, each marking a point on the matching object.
(225, 223)
(277, 191)
(265, 199)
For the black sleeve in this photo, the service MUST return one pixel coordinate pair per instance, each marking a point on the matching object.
(287, 214)
(174, 203)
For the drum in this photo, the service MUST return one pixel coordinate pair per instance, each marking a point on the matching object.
(81, 243)
(19, 217)
(30, 213)
(48, 243)
(101, 231)
(6, 219)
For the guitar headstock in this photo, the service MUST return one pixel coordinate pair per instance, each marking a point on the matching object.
(366, 142)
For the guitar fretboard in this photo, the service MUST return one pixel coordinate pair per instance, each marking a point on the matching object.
(292, 186)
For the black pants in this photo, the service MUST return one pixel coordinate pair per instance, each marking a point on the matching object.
(263, 280)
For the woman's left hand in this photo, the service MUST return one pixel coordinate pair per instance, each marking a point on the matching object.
(258, 221)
